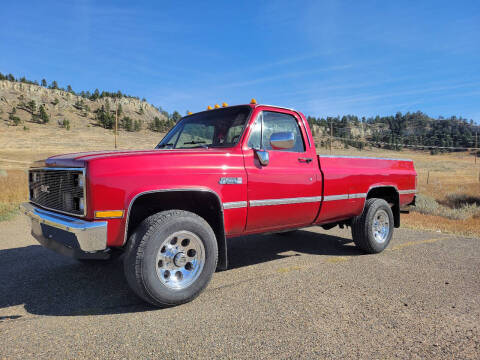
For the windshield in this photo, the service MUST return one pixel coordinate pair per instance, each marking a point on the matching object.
(214, 128)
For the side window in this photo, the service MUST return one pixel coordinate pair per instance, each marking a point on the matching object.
(274, 122)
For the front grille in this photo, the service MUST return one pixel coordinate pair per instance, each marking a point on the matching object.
(58, 189)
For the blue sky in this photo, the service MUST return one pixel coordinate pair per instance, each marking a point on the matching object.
(320, 57)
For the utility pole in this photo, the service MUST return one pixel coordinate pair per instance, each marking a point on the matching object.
(476, 146)
(331, 135)
(116, 125)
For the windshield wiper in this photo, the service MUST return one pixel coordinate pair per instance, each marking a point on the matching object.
(193, 142)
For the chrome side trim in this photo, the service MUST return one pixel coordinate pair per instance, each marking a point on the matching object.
(357, 196)
(298, 200)
(362, 157)
(403, 192)
(335, 197)
(168, 190)
(91, 235)
(234, 205)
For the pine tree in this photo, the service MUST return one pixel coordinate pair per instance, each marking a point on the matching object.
(44, 83)
(44, 118)
(175, 116)
(32, 106)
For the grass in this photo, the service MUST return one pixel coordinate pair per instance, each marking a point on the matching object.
(452, 208)
(13, 185)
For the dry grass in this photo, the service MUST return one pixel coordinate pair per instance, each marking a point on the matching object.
(14, 190)
(468, 227)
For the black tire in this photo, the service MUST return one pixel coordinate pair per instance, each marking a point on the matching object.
(363, 226)
(140, 261)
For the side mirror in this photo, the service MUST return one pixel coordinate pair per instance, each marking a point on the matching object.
(262, 156)
(282, 140)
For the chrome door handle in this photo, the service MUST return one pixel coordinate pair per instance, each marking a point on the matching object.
(305, 159)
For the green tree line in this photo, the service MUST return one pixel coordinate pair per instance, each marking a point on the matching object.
(415, 129)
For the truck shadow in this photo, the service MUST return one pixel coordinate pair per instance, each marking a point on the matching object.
(49, 284)
(254, 249)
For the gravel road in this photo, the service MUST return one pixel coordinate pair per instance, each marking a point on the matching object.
(306, 295)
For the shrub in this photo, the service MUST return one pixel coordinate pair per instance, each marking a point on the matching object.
(459, 211)
(65, 123)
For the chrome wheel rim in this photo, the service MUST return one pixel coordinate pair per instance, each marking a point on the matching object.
(180, 260)
(381, 226)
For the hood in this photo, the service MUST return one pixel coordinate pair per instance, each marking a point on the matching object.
(81, 158)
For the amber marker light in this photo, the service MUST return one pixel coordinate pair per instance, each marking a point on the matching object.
(189, 113)
(224, 104)
(253, 101)
(109, 214)
(209, 107)
(217, 106)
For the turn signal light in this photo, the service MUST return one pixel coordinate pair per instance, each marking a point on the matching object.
(109, 214)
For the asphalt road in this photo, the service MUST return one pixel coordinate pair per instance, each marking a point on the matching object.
(307, 295)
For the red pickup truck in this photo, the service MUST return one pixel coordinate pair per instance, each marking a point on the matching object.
(218, 174)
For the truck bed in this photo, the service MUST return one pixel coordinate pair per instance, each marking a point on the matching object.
(348, 179)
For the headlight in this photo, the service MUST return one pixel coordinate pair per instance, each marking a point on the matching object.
(79, 180)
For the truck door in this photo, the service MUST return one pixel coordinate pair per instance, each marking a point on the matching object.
(286, 192)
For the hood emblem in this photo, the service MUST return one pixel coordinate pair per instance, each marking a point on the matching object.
(44, 189)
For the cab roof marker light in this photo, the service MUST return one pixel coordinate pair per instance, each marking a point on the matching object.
(217, 106)
(189, 113)
(209, 107)
(253, 101)
(224, 104)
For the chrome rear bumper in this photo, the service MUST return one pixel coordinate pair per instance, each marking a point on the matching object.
(68, 235)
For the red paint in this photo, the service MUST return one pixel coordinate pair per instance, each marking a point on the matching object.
(114, 178)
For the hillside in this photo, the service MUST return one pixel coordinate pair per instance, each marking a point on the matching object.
(61, 105)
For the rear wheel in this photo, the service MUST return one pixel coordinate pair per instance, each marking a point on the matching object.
(373, 229)
(171, 258)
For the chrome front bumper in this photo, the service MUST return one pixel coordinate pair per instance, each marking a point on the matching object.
(68, 235)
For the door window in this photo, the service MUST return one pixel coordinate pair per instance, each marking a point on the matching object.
(268, 123)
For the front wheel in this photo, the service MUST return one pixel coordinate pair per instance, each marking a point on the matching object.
(373, 230)
(171, 258)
